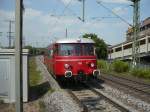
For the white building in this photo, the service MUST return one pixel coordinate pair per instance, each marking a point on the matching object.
(123, 50)
(7, 75)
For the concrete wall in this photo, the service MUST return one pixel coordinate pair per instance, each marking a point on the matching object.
(9, 55)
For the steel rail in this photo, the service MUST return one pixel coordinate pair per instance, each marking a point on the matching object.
(126, 85)
(81, 105)
(115, 104)
(135, 81)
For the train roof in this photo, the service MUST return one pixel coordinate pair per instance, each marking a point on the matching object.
(75, 40)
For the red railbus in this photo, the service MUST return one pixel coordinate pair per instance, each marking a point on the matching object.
(72, 58)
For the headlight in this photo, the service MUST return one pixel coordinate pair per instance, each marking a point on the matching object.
(92, 65)
(66, 66)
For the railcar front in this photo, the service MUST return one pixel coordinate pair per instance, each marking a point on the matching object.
(75, 59)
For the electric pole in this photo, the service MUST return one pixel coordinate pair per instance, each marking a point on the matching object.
(83, 10)
(83, 13)
(66, 33)
(0, 36)
(18, 55)
(23, 42)
(136, 30)
(10, 32)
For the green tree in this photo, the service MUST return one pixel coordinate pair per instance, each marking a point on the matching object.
(32, 50)
(100, 45)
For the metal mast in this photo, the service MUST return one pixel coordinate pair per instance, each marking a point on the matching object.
(18, 55)
(83, 19)
(136, 29)
(66, 33)
(10, 32)
(83, 10)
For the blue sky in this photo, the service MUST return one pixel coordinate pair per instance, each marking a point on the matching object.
(46, 20)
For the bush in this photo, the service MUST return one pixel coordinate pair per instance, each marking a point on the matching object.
(142, 73)
(103, 65)
(120, 66)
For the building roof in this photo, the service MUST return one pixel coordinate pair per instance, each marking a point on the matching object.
(12, 51)
(146, 21)
(74, 40)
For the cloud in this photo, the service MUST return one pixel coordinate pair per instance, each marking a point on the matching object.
(5, 16)
(40, 28)
(70, 1)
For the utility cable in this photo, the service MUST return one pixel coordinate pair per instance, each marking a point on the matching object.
(100, 3)
(66, 6)
(73, 13)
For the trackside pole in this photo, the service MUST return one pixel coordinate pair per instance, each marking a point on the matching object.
(18, 56)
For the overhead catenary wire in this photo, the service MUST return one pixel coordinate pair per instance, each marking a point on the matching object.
(73, 13)
(65, 8)
(100, 3)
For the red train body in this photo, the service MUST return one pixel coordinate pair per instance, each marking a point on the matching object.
(72, 58)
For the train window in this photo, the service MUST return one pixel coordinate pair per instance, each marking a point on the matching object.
(55, 51)
(49, 53)
(88, 50)
(78, 50)
(66, 50)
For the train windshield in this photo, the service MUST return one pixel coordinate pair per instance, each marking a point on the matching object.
(76, 50)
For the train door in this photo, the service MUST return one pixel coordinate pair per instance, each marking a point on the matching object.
(50, 59)
(55, 54)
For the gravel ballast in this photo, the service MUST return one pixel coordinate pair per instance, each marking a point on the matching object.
(58, 100)
(135, 105)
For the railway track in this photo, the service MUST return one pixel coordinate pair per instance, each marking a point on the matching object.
(136, 88)
(93, 101)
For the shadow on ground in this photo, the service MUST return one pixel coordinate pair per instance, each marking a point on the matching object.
(81, 85)
(36, 92)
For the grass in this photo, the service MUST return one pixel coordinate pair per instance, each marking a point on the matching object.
(38, 87)
(34, 74)
(122, 69)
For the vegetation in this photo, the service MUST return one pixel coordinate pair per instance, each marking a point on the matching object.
(120, 66)
(38, 88)
(101, 47)
(123, 68)
(35, 51)
(34, 74)
(103, 65)
(142, 73)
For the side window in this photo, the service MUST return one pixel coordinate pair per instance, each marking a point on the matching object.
(50, 53)
(88, 50)
(55, 51)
